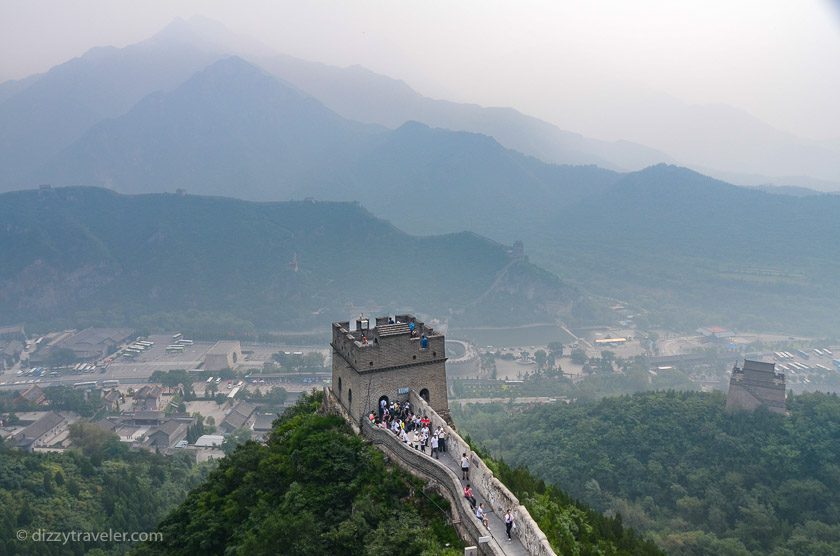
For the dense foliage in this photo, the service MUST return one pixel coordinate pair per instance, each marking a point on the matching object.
(676, 465)
(570, 526)
(98, 486)
(315, 488)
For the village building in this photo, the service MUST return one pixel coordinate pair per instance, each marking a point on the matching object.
(167, 435)
(148, 398)
(32, 395)
(238, 417)
(222, 356)
(39, 433)
(93, 343)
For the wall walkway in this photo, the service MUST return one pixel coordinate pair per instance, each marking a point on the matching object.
(445, 475)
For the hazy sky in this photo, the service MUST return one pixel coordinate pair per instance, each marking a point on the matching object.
(556, 59)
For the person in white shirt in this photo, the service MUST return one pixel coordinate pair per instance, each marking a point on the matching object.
(482, 515)
(465, 467)
(435, 447)
(508, 523)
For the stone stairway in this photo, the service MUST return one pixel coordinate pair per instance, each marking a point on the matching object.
(392, 329)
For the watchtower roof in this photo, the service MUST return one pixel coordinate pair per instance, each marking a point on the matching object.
(365, 331)
(387, 342)
(393, 329)
(752, 365)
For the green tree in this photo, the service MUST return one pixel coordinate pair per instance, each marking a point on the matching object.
(540, 357)
(578, 356)
(234, 439)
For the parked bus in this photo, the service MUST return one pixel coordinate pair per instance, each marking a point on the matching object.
(176, 337)
(82, 385)
(110, 383)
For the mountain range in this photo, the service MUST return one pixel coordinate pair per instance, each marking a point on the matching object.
(105, 82)
(89, 255)
(683, 248)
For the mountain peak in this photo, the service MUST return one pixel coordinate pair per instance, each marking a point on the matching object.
(206, 34)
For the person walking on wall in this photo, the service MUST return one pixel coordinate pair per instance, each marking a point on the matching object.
(465, 467)
(508, 523)
(435, 447)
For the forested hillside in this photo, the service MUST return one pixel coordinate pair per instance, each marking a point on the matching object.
(96, 487)
(693, 250)
(314, 489)
(80, 256)
(675, 465)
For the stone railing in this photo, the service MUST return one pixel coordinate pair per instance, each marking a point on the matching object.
(440, 477)
(494, 491)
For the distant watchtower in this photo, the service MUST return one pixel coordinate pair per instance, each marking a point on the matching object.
(756, 384)
(385, 361)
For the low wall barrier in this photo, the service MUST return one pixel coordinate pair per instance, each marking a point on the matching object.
(441, 478)
(498, 496)
(494, 491)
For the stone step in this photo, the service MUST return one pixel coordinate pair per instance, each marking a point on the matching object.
(393, 329)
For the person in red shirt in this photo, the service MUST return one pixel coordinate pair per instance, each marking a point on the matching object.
(468, 494)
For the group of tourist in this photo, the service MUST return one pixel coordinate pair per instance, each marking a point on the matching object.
(418, 432)
(481, 513)
(412, 429)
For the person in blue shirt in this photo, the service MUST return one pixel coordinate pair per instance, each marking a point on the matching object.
(424, 342)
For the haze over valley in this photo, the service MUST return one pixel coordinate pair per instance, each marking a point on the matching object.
(477, 278)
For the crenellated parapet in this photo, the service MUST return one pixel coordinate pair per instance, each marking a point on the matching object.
(384, 359)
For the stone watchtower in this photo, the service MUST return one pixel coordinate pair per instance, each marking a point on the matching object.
(756, 384)
(385, 361)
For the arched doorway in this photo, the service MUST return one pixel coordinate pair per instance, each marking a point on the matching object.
(380, 407)
(424, 393)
